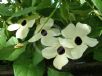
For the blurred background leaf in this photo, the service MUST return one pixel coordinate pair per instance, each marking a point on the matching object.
(53, 72)
(98, 4)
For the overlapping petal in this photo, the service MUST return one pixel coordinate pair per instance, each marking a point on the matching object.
(53, 32)
(36, 37)
(47, 22)
(78, 51)
(66, 43)
(30, 23)
(90, 41)
(82, 29)
(60, 61)
(22, 32)
(49, 52)
(13, 27)
(69, 31)
(50, 41)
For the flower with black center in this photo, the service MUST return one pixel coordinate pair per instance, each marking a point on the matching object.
(44, 29)
(55, 49)
(78, 36)
(22, 28)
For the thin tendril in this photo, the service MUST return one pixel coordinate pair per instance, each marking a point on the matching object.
(57, 5)
(94, 10)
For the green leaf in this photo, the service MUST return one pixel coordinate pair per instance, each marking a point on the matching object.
(44, 4)
(98, 4)
(98, 55)
(12, 41)
(96, 31)
(72, 17)
(52, 72)
(23, 66)
(10, 53)
(37, 57)
(26, 3)
(24, 12)
(2, 38)
(35, 2)
(16, 53)
(64, 11)
(5, 11)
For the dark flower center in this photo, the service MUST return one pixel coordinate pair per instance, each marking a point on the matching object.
(61, 50)
(44, 32)
(23, 22)
(78, 40)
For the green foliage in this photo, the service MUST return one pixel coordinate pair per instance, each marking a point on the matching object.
(23, 66)
(9, 53)
(12, 41)
(98, 4)
(5, 11)
(98, 51)
(2, 38)
(23, 12)
(98, 55)
(37, 56)
(7, 50)
(43, 4)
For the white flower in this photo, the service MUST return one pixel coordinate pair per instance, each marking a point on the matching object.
(22, 28)
(55, 49)
(79, 38)
(44, 29)
(4, 1)
(82, 1)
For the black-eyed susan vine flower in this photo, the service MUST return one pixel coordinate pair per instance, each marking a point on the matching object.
(56, 49)
(78, 36)
(44, 29)
(22, 28)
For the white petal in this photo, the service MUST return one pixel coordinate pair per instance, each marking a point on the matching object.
(13, 27)
(68, 52)
(66, 43)
(69, 31)
(49, 41)
(44, 25)
(78, 51)
(53, 32)
(82, 29)
(22, 32)
(90, 41)
(60, 61)
(30, 23)
(38, 28)
(49, 52)
(47, 22)
(36, 37)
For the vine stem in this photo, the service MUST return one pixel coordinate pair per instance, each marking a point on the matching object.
(96, 12)
(57, 5)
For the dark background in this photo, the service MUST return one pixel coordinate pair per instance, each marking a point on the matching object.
(77, 68)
